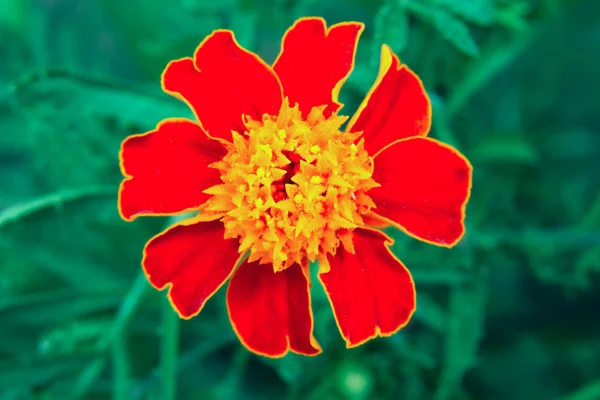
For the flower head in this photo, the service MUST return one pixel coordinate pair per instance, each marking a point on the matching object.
(278, 182)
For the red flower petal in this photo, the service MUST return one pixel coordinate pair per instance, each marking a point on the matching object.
(222, 83)
(271, 312)
(314, 62)
(396, 107)
(425, 186)
(194, 258)
(371, 292)
(166, 169)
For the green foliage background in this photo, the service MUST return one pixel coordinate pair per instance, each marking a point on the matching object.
(511, 313)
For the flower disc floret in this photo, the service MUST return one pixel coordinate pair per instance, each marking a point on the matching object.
(293, 188)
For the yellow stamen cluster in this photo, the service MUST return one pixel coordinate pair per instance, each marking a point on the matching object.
(293, 188)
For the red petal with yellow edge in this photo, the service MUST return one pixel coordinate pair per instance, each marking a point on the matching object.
(194, 259)
(271, 311)
(166, 169)
(314, 62)
(371, 292)
(396, 107)
(222, 83)
(425, 186)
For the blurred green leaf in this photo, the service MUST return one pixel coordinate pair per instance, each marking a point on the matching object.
(456, 32)
(511, 148)
(391, 28)
(450, 28)
(55, 200)
(512, 14)
(464, 333)
(124, 315)
(60, 311)
(97, 96)
(20, 376)
(477, 11)
(481, 73)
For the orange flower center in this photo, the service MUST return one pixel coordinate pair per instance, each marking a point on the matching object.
(293, 188)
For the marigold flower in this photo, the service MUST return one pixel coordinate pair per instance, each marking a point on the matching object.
(279, 183)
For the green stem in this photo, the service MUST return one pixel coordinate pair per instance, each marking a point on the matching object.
(125, 313)
(121, 374)
(169, 352)
(22, 210)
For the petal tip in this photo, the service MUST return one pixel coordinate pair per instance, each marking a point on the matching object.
(387, 58)
(126, 217)
(359, 26)
(171, 68)
(120, 209)
(262, 352)
(354, 344)
(307, 20)
(378, 333)
(374, 325)
(183, 314)
(189, 261)
(453, 171)
(125, 214)
(217, 34)
(262, 326)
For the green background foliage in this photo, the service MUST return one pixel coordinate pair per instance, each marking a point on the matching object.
(509, 313)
